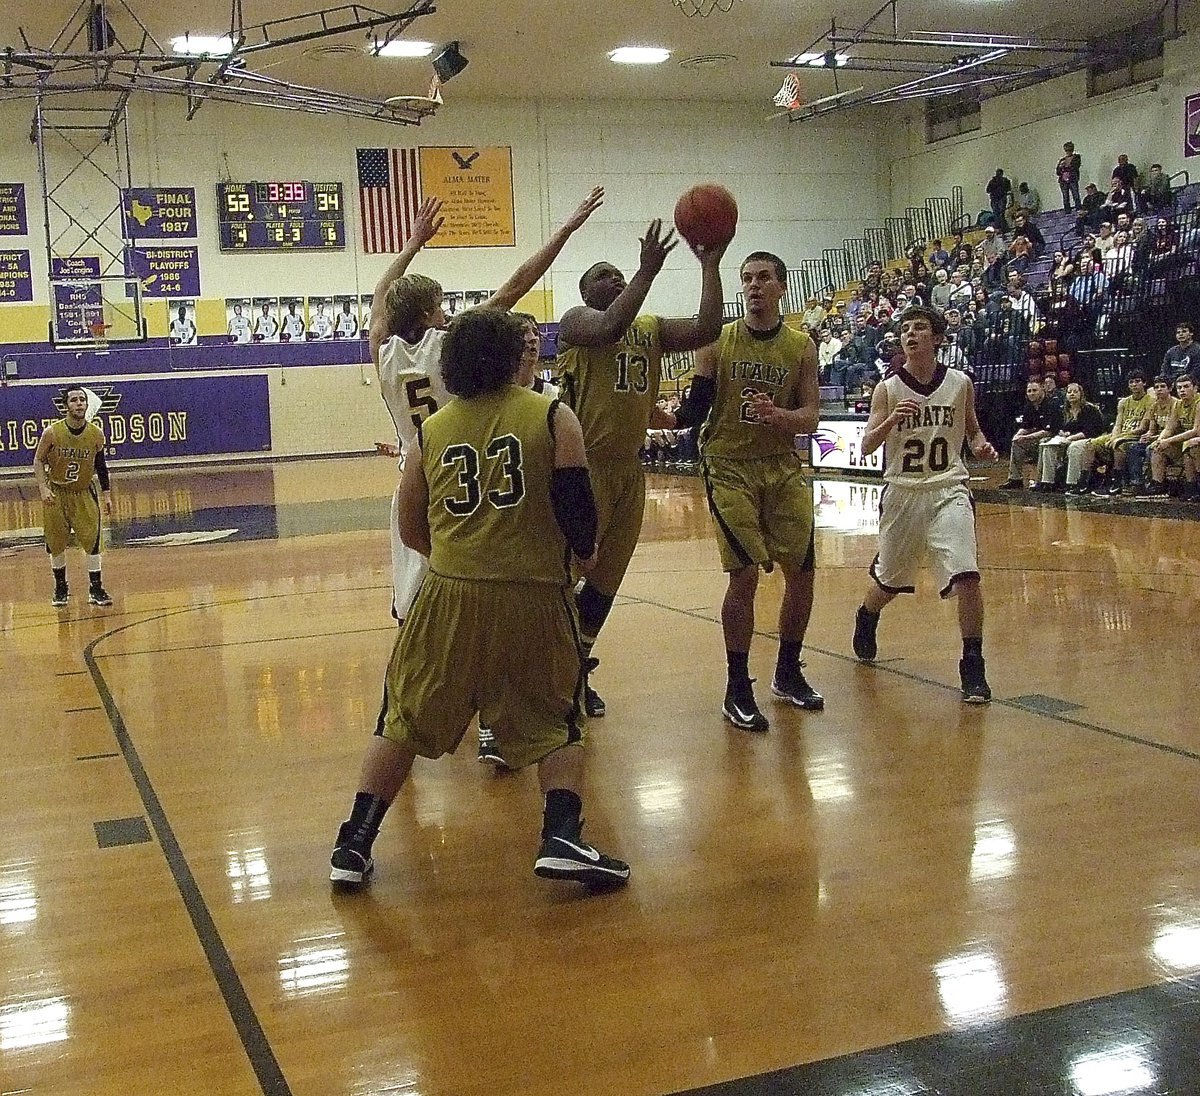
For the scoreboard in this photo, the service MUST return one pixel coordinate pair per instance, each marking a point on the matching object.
(281, 216)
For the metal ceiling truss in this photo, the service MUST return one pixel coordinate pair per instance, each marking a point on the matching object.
(986, 64)
(105, 47)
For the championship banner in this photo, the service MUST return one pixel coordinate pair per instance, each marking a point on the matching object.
(159, 213)
(1191, 126)
(12, 210)
(16, 284)
(76, 307)
(172, 417)
(165, 271)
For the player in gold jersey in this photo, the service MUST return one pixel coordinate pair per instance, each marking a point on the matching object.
(610, 361)
(69, 456)
(496, 494)
(1179, 442)
(1133, 413)
(755, 389)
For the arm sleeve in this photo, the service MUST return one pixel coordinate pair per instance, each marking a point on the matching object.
(695, 408)
(102, 470)
(575, 508)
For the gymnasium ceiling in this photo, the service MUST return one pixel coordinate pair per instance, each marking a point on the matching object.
(558, 48)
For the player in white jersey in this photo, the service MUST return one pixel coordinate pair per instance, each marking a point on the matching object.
(266, 327)
(406, 347)
(239, 326)
(183, 331)
(320, 324)
(527, 374)
(346, 324)
(925, 412)
(293, 325)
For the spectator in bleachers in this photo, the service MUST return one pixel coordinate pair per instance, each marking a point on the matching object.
(1022, 256)
(1119, 200)
(856, 305)
(1139, 229)
(1023, 226)
(1062, 270)
(918, 271)
(939, 256)
(1119, 259)
(814, 315)
(1179, 443)
(1155, 193)
(962, 256)
(1053, 392)
(1067, 172)
(1124, 223)
(939, 296)
(1125, 172)
(1081, 421)
(1139, 452)
(872, 282)
(1039, 419)
(1184, 356)
(999, 191)
(1090, 281)
(961, 289)
(1112, 449)
(1157, 252)
(994, 273)
(955, 351)
(1028, 199)
(991, 244)
(1023, 301)
(1089, 215)
(828, 348)
(888, 355)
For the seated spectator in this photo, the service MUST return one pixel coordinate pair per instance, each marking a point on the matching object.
(992, 243)
(1124, 223)
(918, 271)
(939, 296)
(963, 254)
(939, 257)
(1139, 229)
(1023, 302)
(1090, 282)
(1028, 199)
(1039, 419)
(1023, 226)
(955, 351)
(815, 313)
(828, 348)
(1119, 200)
(961, 289)
(1129, 425)
(1062, 270)
(1053, 392)
(1119, 259)
(1125, 173)
(1179, 443)
(1022, 256)
(1139, 452)
(1081, 421)
(856, 305)
(1155, 193)
(888, 355)
(994, 273)
(1184, 356)
(1089, 215)
(1104, 238)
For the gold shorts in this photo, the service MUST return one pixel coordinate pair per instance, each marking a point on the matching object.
(73, 518)
(507, 651)
(762, 510)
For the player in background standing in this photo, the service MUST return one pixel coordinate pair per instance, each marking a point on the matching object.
(924, 412)
(496, 494)
(69, 456)
(239, 326)
(406, 345)
(346, 324)
(754, 390)
(293, 325)
(610, 363)
(183, 331)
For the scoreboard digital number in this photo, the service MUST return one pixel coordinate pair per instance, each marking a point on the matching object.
(284, 216)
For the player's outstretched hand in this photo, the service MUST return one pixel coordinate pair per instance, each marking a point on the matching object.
(985, 450)
(428, 220)
(656, 247)
(586, 208)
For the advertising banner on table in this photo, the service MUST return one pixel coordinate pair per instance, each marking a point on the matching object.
(16, 283)
(12, 210)
(165, 271)
(77, 308)
(172, 417)
(837, 443)
(1191, 126)
(160, 213)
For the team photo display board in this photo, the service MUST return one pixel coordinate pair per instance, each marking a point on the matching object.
(281, 216)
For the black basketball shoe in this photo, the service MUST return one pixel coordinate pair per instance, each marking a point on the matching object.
(568, 856)
(971, 674)
(593, 703)
(865, 646)
(792, 687)
(98, 596)
(61, 597)
(741, 709)
(349, 864)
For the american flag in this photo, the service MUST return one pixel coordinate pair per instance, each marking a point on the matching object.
(389, 194)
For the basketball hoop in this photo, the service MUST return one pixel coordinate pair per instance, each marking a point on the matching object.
(98, 329)
(703, 8)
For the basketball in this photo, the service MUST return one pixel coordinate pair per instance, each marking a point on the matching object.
(706, 215)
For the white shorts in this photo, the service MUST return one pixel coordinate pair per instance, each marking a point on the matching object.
(915, 522)
(409, 567)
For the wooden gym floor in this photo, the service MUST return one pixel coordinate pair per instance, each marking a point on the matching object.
(899, 895)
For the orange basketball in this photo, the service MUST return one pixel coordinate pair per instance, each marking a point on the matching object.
(706, 215)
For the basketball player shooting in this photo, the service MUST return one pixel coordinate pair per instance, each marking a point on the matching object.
(924, 412)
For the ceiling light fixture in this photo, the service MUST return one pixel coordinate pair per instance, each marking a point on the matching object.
(639, 55)
(402, 47)
(202, 45)
(820, 60)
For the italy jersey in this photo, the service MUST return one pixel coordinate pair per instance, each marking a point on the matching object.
(488, 463)
(925, 450)
(1160, 414)
(293, 327)
(613, 389)
(1186, 410)
(71, 459)
(1130, 415)
(321, 327)
(410, 381)
(747, 364)
(346, 326)
(239, 329)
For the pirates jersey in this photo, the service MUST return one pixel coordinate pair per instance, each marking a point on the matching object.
(71, 459)
(410, 381)
(265, 327)
(749, 363)
(183, 332)
(239, 328)
(613, 389)
(293, 327)
(925, 450)
(346, 326)
(321, 327)
(488, 462)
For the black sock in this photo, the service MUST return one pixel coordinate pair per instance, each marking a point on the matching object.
(60, 577)
(739, 666)
(972, 646)
(561, 816)
(362, 827)
(789, 654)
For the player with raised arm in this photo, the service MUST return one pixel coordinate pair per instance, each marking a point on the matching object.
(69, 456)
(496, 494)
(406, 344)
(610, 361)
(754, 390)
(924, 412)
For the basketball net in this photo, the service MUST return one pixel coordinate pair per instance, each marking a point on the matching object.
(703, 8)
(789, 96)
(435, 89)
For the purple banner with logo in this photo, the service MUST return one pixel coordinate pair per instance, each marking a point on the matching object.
(12, 210)
(160, 213)
(172, 417)
(165, 271)
(16, 284)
